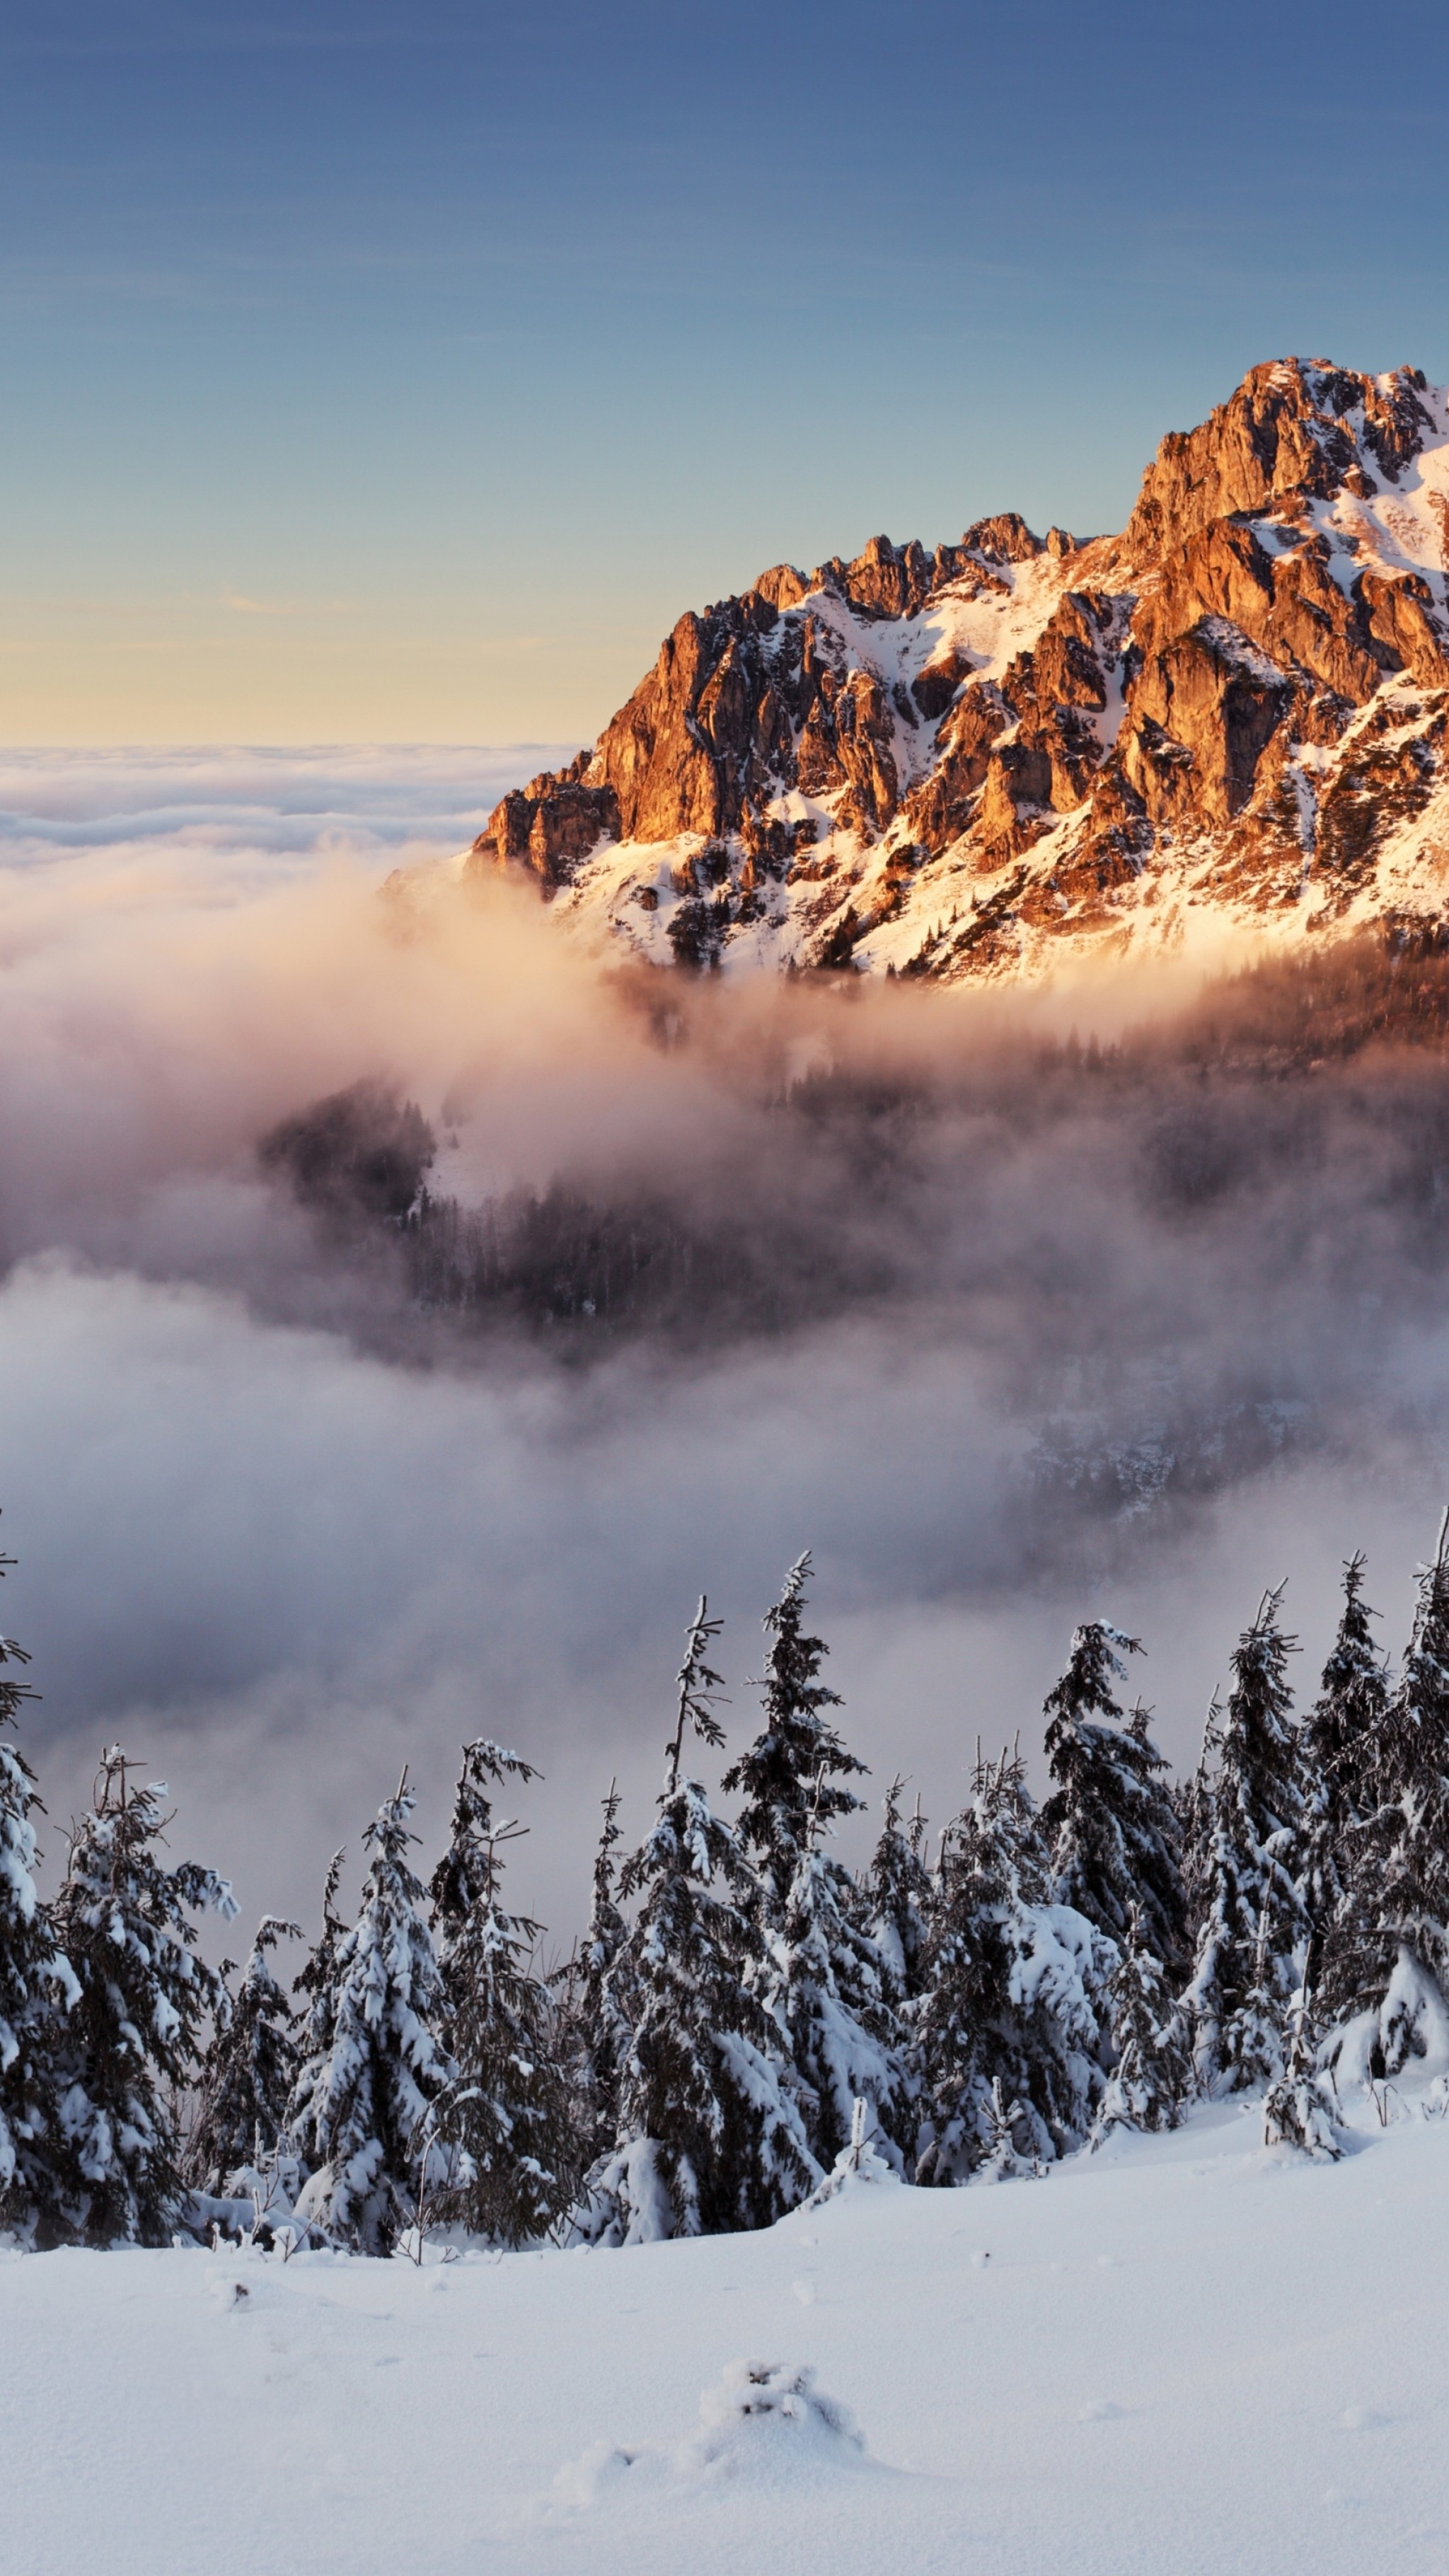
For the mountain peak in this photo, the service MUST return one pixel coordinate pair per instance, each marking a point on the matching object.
(969, 760)
(1293, 432)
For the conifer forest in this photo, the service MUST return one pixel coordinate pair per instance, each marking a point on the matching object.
(742, 2018)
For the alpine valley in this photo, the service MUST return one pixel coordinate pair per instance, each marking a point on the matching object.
(984, 761)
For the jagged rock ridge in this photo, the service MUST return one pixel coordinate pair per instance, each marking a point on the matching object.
(964, 763)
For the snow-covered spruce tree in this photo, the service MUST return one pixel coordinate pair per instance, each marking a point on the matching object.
(315, 1981)
(1298, 2109)
(1261, 2020)
(1342, 1742)
(789, 1778)
(1013, 1991)
(1191, 1797)
(1385, 1965)
(375, 2065)
(823, 1978)
(709, 2134)
(1110, 1823)
(248, 2072)
(132, 2039)
(504, 2123)
(1152, 2075)
(37, 1984)
(827, 1988)
(897, 1898)
(592, 2007)
(1250, 1920)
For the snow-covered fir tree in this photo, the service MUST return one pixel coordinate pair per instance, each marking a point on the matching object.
(1013, 1991)
(1258, 2026)
(248, 2073)
(827, 1987)
(1251, 1922)
(315, 1980)
(1342, 1743)
(37, 1986)
(375, 2065)
(504, 2122)
(710, 2135)
(1151, 2076)
(1192, 1805)
(897, 1897)
(1300, 2105)
(593, 2013)
(823, 1979)
(1110, 1822)
(1385, 1968)
(132, 2040)
(790, 1776)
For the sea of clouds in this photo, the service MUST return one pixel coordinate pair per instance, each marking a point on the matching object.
(280, 1539)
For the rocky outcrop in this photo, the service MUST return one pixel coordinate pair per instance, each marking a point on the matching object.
(551, 824)
(1287, 435)
(948, 761)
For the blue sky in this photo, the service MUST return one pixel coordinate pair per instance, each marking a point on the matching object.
(378, 372)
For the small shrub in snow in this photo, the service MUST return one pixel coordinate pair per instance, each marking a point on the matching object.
(859, 2162)
(763, 2422)
(766, 2399)
(1003, 2158)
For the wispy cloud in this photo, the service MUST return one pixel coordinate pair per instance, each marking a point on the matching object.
(242, 606)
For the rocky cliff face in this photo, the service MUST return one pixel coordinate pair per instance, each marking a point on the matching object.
(965, 763)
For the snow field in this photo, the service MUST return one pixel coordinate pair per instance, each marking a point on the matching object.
(1183, 2355)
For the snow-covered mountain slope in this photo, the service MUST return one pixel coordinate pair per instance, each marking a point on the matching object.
(975, 762)
(1186, 2354)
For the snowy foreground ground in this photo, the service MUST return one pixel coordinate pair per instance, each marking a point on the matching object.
(1188, 2355)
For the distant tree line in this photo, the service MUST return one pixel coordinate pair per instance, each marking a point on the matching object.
(1322, 1078)
(741, 2004)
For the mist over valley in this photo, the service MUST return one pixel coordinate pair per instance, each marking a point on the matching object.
(402, 1324)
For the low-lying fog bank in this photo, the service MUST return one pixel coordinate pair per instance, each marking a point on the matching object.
(1118, 1299)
